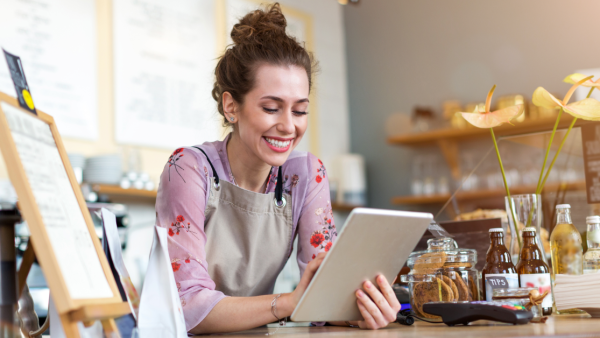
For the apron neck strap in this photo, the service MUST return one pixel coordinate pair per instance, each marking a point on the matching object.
(278, 186)
(211, 166)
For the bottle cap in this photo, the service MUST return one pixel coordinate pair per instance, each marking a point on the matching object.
(592, 219)
(529, 229)
(563, 206)
(496, 230)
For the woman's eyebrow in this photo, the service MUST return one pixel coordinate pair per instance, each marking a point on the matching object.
(278, 99)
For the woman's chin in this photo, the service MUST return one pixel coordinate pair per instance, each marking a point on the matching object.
(275, 159)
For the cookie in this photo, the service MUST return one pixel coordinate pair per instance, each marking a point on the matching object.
(426, 292)
(457, 265)
(463, 289)
(431, 260)
(446, 290)
(473, 290)
(452, 286)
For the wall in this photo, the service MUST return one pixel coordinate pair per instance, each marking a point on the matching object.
(331, 81)
(406, 53)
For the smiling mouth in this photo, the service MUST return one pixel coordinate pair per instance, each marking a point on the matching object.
(277, 144)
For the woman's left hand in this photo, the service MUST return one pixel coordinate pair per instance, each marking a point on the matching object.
(378, 305)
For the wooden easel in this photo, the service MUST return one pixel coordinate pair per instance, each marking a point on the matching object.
(71, 310)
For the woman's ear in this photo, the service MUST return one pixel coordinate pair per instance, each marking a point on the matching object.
(229, 107)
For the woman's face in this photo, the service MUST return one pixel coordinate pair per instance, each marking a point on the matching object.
(273, 118)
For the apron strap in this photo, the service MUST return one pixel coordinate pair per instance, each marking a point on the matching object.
(278, 186)
(211, 166)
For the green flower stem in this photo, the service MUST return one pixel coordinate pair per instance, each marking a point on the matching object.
(562, 143)
(548, 151)
(512, 212)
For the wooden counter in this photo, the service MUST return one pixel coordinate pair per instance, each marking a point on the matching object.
(556, 326)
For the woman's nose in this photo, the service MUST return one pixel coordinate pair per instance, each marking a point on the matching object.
(286, 123)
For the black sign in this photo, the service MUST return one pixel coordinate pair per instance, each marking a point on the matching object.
(18, 76)
(497, 282)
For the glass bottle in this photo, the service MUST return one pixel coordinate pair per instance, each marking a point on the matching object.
(533, 271)
(498, 264)
(591, 259)
(417, 172)
(565, 244)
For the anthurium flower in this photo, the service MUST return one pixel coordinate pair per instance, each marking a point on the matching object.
(489, 119)
(576, 77)
(586, 109)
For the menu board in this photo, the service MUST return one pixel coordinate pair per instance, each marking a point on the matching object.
(590, 139)
(63, 219)
(164, 56)
(56, 40)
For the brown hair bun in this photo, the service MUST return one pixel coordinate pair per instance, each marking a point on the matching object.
(259, 37)
(260, 25)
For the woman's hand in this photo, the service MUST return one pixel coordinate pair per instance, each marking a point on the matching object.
(309, 272)
(378, 306)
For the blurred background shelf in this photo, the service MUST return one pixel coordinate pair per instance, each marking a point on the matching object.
(525, 127)
(115, 190)
(481, 194)
(343, 207)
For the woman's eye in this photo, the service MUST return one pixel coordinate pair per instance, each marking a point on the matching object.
(300, 112)
(269, 110)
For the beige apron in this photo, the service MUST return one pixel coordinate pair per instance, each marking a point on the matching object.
(248, 236)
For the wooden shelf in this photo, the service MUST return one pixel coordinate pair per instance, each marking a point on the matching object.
(481, 194)
(525, 127)
(116, 190)
(343, 207)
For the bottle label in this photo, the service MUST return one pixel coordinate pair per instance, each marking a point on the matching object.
(540, 281)
(499, 281)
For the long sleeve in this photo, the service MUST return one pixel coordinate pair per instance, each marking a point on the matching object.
(316, 228)
(180, 204)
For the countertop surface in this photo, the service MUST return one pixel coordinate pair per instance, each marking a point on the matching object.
(556, 326)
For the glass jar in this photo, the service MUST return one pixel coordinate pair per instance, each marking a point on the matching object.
(442, 273)
(517, 297)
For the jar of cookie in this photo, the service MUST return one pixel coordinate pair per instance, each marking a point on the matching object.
(442, 273)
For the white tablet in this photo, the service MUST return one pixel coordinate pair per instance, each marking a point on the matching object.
(372, 242)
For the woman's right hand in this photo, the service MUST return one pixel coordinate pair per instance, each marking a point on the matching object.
(309, 272)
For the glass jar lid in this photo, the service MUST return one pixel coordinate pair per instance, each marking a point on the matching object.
(440, 251)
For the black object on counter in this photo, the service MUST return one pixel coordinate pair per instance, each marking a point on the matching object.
(405, 318)
(465, 312)
(9, 298)
(402, 293)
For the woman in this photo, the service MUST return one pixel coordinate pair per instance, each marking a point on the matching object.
(234, 207)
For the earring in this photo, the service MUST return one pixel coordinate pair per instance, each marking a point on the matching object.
(232, 119)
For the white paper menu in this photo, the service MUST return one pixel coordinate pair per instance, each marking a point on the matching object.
(63, 219)
(165, 57)
(57, 42)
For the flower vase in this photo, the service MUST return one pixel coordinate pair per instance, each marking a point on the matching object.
(522, 206)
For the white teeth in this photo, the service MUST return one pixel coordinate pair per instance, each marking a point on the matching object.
(278, 144)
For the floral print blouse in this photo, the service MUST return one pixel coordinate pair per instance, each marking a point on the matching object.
(180, 205)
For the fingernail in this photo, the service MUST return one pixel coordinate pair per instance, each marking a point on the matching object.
(359, 293)
(381, 278)
(368, 285)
